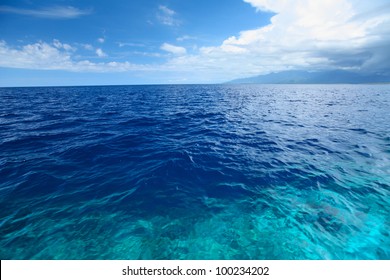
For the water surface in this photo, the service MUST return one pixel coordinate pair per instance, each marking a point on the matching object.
(195, 172)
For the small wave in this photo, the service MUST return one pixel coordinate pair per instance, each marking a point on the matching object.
(194, 172)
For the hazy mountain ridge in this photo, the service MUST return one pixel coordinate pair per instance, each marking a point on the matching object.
(318, 77)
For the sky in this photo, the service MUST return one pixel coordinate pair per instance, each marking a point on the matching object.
(96, 42)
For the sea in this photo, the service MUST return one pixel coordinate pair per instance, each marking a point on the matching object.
(236, 172)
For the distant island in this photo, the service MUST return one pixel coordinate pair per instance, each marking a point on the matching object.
(314, 77)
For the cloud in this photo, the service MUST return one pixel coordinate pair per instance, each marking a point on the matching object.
(121, 44)
(100, 53)
(173, 49)
(88, 47)
(60, 45)
(34, 56)
(101, 40)
(185, 37)
(44, 56)
(54, 12)
(319, 33)
(166, 16)
(302, 34)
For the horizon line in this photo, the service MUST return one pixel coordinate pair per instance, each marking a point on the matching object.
(191, 84)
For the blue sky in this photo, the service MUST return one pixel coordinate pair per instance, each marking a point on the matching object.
(186, 41)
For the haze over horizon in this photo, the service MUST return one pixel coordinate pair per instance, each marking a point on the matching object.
(172, 41)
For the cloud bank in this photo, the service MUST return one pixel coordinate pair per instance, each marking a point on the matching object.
(58, 56)
(305, 34)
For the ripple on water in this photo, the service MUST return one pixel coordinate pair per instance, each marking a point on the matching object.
(195, 172)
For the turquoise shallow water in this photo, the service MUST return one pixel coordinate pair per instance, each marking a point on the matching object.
(195, 172)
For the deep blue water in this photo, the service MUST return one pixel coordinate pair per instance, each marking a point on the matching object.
(195, 172)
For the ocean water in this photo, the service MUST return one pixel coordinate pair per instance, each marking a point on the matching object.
(195, 172)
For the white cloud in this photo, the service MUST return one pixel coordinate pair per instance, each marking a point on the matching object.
(173, 49)
(44, 56)
(121, 44)
(148, 54)
(34, 56)
(166, 16)
(60, 45)
(88, 47)
(101, 40)
(185, 37)
(54, 12)
(303, 34)
(100, 53)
